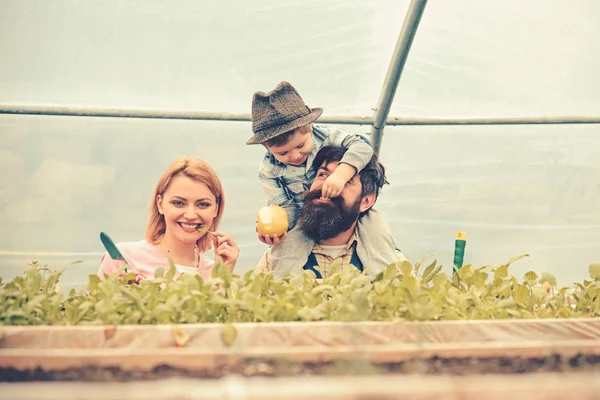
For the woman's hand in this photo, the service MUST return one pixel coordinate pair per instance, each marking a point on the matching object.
(136, 280)
(225, 248)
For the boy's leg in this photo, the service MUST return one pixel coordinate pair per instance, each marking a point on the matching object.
(290, 255)
(376, 247)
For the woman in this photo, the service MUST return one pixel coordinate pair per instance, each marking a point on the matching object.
(185, 212)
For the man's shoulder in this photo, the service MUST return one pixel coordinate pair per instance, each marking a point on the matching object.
(264, 264)
(401, 255)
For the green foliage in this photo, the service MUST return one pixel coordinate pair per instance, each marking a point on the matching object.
(400, 293)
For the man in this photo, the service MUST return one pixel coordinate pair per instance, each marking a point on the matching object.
(288, 130)
(332, 222)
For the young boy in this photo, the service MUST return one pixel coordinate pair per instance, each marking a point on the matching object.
(282, 123)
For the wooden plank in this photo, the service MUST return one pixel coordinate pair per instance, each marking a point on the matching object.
(146, 359)
(287, 334)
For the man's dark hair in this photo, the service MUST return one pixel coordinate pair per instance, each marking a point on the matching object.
(372, 176)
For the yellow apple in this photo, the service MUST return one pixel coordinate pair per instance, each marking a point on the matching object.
(272, 220)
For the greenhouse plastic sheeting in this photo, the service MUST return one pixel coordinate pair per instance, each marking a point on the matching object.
(513, 189)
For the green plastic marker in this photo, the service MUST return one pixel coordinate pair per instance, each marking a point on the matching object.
(459, 250)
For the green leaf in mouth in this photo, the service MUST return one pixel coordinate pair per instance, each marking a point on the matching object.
(201, 228)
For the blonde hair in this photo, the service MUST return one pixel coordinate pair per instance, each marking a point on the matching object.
(199, 171)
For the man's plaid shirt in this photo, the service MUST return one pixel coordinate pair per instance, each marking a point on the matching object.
(323, 259)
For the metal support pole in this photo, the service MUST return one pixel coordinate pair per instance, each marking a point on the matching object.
(325, 119)
(111, 112)
(407, 34)
(558, 120)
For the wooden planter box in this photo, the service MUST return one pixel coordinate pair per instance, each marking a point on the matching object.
(416, 355)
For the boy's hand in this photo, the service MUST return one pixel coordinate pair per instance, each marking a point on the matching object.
(271, 240)
(333, 186)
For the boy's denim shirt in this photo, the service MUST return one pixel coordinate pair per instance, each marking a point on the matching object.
(284, 185)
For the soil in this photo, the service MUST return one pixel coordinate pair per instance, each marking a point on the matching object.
(253, 367)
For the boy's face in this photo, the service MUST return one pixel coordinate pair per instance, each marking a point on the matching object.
(296, 150)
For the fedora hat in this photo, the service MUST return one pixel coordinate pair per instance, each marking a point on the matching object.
(279, 111)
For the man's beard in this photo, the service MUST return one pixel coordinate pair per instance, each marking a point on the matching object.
(322, 221)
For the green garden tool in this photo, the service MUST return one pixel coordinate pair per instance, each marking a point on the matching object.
(459, 250)
(111, 248)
